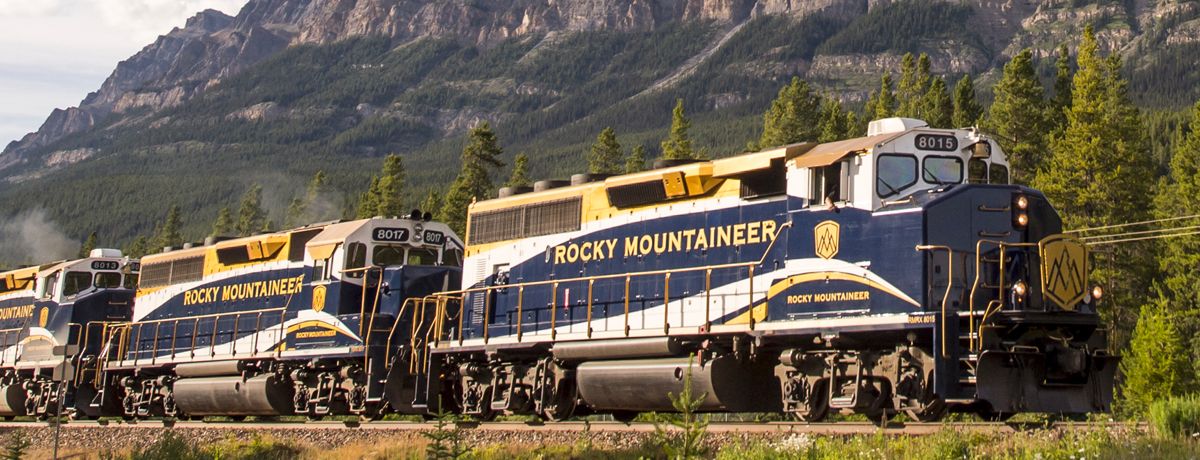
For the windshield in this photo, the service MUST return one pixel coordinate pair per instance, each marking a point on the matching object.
(942, 170)
(894, 173)
(385, 255)
(105, 280)
(76, 282)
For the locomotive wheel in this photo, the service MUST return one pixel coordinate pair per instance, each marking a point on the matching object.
(932, 411)
(816, 405)
(562, 404)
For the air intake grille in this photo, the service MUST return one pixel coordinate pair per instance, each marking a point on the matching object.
(643, 193)
(526, 221)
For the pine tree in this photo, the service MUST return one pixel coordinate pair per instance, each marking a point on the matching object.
(139, 247)
(432, 202)
(168, 233)
(884, 101)
(937, 109)
(1017, 117)
(794, 116)
(966, 108)
(834, 122)
(605, 156)
(368, 201)
(480, 156)
(250, 214)
(914, 82)
(636, 161)
(88, 245)
(390, 197)
(1178, 257)
(520, 172)
(295, 213)
(1100, 174)
(1156, 365)
(1062, 89)
(678, 144)
(224, 223)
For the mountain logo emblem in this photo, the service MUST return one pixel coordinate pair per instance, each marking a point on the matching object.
(826, 236)
(318, 298)
(1064, 270)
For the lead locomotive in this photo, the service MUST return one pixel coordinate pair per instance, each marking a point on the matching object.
(894, 272)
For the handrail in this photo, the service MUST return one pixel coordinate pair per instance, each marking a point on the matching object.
(460, 294)
(949, 284)
(1000, 246)
(124, 330)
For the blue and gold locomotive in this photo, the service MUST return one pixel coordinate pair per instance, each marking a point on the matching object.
(897, 272)
(53, 319)
(309, 321)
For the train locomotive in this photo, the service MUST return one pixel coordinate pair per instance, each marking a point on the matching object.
(896, 272)
(53, 319)
(310, 321)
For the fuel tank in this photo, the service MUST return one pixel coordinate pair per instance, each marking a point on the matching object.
(727, 384)
(234, 395)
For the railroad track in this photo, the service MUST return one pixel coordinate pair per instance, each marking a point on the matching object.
(835, 429)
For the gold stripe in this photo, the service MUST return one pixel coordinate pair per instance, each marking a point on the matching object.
(760, 311)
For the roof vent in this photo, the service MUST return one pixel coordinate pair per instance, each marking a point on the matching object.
(543, 185)
(506, 192)
(580, 179)
(105, 252)
(894, 125)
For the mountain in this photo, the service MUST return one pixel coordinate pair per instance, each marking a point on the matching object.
(287, 87)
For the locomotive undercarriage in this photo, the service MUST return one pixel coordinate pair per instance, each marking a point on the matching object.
(238, 389)
(36, 393)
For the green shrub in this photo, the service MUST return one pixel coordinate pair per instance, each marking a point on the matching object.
(17, 446)
(169, 446)
(1176, 417)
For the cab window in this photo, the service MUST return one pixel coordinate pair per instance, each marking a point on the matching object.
(999, 174)
(941, 170)
(977, 171)
(108, 280)
(827, 183)
(894, 173)
(49, 286)
(422, 257)
(76, 282)
(454, 257)
(386, 255)
(131, 281)
(356, 257)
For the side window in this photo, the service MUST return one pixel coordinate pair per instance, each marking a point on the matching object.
(108, 280)
(827, 184)
(131, 281)
(49, 285)
(977, 171)
(76, 282)
(941, 170)
(320, 270)
(999, 174)
(356, 257)
(894, 173)
(452, 257)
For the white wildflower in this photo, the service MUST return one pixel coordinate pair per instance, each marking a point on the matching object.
(795, 443)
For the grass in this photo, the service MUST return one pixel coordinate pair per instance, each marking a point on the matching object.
(1118, 443)
(1177, 417)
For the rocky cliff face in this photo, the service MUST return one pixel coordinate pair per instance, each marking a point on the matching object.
(213, 46)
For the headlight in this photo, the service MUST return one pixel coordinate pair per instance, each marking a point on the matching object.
(1022, 202)
(1020, 288)
(1022, 219)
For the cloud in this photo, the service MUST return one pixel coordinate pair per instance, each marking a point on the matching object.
(63, 49)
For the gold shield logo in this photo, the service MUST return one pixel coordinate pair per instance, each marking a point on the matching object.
(1064, 270)
(318, 298)
(44, 317)
(826, 236)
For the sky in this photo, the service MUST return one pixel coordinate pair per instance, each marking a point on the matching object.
(54, 52)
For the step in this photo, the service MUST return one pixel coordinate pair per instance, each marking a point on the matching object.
(842, 401)
(966, 380)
